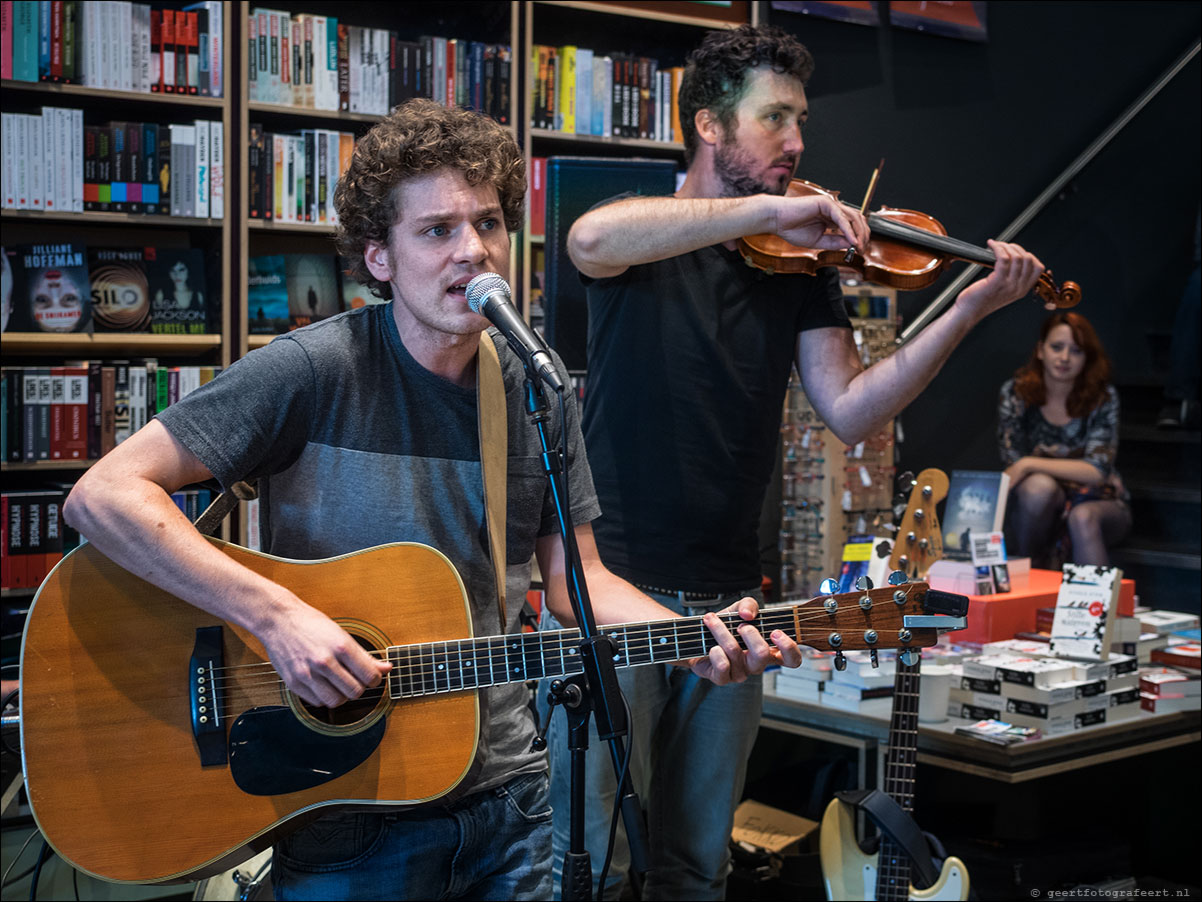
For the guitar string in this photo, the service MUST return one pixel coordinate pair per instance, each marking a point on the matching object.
(777, 616)
(640, 648)
(893, 867)
(230, 692)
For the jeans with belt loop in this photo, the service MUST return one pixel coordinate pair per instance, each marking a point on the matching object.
(689, 742)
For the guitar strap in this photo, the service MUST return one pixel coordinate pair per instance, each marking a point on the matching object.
(883, 810)
(494, 460)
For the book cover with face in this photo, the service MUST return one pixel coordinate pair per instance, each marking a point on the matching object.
(50, 290)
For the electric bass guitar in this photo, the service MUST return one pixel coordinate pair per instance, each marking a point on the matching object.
(160, 746)
(847, 871)
(850, 873)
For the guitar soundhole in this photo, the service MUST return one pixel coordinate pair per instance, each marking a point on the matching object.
(356, 713)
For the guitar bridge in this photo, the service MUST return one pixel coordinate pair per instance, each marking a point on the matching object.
(204, 696)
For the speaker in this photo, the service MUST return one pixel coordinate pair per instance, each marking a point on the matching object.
(574, 186)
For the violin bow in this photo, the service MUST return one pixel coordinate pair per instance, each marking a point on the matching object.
(851, 251)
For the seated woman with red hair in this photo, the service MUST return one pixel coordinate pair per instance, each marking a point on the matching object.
(1058, 424)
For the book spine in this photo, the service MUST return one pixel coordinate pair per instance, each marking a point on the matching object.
(108, 387)
(217, 169)
(168, 37)
(149, 174)
(217, 49)
(156, 51)
(37, 163)
(133, 175)
(75, 420)
(344, 71)
(203, 55)
(95, 409)
(25, 40)
(6, 39)
(201, 170)
(57, 412)
(308, 202)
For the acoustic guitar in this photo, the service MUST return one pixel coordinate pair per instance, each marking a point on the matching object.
(160, 746)
(849, 872)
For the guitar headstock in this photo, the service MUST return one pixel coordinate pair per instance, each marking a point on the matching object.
(901, 616)
(918, 543)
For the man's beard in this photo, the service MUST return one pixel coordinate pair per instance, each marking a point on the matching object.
(733, 166)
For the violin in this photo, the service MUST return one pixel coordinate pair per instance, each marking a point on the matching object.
(907, 251)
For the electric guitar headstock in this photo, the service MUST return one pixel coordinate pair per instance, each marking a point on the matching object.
(918, 543)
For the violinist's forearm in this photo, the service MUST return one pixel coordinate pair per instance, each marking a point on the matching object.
(856, 403)
(606, 241)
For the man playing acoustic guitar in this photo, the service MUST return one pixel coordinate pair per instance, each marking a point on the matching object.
(362, 430)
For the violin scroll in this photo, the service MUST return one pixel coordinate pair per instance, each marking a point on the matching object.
(1056, 296)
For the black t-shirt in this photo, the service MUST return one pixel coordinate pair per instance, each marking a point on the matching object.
(689, 360)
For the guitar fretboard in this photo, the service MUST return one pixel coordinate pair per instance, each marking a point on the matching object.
(437, 667)
(893, 868)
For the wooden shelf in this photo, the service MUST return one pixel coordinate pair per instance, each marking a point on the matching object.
(635, 12)
(125, 219)
(258, 341)
(44, 465)
(85, 92)
(306, 228)
(108, 344)
(545, 134)
(302, 112)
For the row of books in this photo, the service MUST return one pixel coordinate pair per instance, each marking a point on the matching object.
(292, 177)
(83, 409)
(70, 287)
(119, 45)
(580, 92)
(34, 537)
(318, 62)
(54, 163)
(289, 291)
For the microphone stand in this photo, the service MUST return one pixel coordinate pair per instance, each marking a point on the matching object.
(597, 691)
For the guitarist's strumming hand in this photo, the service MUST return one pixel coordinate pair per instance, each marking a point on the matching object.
(317, 658)
(728, 662)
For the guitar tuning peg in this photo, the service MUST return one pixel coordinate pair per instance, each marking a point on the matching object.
(874, 657)
(909, 657)
(898, 578)
(863, 583)
(828, 586)
(840, 661)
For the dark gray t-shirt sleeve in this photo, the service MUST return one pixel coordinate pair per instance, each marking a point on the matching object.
(251, 420)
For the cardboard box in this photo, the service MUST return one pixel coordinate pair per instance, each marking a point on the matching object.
(995, 617)
(768, 828)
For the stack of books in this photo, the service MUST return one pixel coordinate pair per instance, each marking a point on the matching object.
(1054, 695)
(862, 688)
(806, 683)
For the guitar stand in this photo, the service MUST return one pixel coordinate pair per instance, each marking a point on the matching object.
(596, 690)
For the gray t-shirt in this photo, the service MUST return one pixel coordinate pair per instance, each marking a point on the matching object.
(356, 444)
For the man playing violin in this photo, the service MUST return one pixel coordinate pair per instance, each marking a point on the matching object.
(692, 349)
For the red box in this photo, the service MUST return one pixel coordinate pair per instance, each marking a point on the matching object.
(995, 617)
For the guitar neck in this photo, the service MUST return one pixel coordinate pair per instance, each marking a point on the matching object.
(456, 665)
(893, 872)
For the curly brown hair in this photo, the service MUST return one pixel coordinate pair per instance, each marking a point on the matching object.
(715, 75)
(417, 137)
(1089, 389)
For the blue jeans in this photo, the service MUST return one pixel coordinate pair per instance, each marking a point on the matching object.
(489, 845)
(691, 741)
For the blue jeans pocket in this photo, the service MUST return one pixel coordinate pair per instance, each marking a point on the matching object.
(529, 796)
(334, 842)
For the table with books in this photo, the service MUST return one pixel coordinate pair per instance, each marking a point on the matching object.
(1062, 715)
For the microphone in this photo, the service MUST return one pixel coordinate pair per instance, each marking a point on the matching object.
(488, 295)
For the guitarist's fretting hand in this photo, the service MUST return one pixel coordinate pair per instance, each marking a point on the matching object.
(727, 662)
(318, 659)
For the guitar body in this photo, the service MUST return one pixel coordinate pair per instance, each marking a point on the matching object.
(851, 874)
(111, 764)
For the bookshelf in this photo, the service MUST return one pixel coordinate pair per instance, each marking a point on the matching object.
(665, 31)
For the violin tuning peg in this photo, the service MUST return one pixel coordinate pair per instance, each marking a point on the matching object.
(898, 578)
(840, 661)
(863, 583)
(828, 586)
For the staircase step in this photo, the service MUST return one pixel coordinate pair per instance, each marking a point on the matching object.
(1142, 433)
(1164, 491)
(1160, 554)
